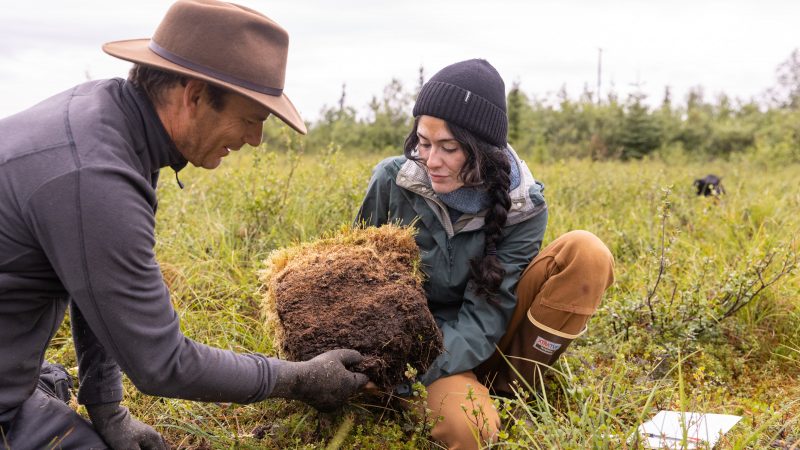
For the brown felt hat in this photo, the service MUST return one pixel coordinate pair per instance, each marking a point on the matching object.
(228, 45)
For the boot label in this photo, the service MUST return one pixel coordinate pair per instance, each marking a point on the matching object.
(545, 346)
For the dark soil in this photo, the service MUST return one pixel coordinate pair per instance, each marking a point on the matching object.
(360, 295)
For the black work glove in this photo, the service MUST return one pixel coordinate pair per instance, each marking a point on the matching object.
(121, 431)
(54, 379)
(322, 382)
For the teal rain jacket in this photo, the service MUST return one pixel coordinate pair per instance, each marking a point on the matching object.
(471, 325)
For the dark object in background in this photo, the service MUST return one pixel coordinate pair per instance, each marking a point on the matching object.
(709, 185)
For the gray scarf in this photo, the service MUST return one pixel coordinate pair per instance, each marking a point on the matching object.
(472, 200)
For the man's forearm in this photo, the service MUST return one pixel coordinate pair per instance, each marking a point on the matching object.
(100, 376)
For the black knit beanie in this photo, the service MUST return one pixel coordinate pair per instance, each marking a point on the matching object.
(470, 94)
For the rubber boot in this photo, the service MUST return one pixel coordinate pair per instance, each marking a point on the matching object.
(529, 355)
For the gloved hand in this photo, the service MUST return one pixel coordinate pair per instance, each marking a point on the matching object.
(322, 382)
(121, 431)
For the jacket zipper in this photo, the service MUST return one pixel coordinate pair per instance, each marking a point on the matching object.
(450, 253)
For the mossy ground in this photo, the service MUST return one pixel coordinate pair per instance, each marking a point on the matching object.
(661, 339)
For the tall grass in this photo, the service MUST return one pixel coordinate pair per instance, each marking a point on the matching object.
(703, 315)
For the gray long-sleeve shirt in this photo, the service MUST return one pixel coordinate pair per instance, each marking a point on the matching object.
(77, 202)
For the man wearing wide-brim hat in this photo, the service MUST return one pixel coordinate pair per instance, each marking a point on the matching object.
(78, 174)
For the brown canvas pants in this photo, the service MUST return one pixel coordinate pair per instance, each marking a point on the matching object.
(556, 295)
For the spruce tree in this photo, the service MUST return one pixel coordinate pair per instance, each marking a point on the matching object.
(640, 132)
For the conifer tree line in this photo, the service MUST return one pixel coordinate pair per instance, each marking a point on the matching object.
(560, 126)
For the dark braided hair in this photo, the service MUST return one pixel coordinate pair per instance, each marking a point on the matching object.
(155, 82)
(485, 165)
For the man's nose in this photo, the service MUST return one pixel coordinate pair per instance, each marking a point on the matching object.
(254, 133)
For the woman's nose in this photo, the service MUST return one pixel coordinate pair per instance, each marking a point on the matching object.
(433, 159)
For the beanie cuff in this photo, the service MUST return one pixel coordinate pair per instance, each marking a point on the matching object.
(464, 108)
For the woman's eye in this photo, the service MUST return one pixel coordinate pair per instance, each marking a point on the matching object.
(450, 150)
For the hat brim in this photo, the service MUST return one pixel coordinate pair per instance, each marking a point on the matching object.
(137, 51)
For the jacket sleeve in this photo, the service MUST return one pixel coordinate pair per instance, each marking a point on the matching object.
(471, 338)
(96, 225)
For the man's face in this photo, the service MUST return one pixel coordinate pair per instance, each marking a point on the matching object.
(212, 134)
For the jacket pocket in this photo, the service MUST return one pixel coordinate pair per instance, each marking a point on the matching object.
(536, 193)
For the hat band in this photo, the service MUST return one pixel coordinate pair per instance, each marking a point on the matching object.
(166, 54)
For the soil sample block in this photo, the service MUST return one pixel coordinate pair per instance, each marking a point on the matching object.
(359, 288)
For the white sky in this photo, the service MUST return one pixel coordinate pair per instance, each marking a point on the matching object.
(725, 46)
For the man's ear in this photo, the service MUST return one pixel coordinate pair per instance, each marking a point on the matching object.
(193, 94)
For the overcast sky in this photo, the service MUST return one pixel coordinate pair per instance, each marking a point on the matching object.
(725, 46)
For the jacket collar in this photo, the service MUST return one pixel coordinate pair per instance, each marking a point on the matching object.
(413, 177)
(159, 150)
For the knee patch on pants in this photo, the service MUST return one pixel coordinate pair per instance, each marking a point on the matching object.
(578, 268)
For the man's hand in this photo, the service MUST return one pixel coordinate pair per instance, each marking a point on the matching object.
(323, 382)
(121, 431)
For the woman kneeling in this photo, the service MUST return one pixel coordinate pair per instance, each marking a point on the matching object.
(481, 217)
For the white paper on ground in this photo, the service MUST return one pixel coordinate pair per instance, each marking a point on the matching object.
(665, 431)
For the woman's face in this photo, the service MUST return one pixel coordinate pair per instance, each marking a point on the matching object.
(441, 154)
